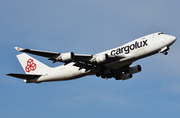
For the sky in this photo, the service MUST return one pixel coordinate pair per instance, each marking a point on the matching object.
(89, 27)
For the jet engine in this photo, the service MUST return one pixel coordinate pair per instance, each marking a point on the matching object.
(102, 58)
(65, 57)
(135, 69)
(126, 76)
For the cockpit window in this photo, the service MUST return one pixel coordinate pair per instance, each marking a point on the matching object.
(160, 33)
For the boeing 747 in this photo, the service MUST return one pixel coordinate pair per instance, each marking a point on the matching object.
(114, 63)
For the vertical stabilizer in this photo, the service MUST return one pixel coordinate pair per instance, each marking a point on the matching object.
(31, 65)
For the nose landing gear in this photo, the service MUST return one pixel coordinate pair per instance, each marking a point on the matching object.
(165, 53)
(164, 50)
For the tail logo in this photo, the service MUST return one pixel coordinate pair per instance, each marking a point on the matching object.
(31, 66)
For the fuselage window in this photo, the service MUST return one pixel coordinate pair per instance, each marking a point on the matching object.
(160, 33)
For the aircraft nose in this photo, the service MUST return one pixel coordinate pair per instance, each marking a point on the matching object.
(173, 39)
(169, 40)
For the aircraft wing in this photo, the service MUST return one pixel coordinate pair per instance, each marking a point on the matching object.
(37, 52)
(54, 56)
(82, 60)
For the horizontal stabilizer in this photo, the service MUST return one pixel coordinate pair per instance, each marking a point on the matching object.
(24, 76)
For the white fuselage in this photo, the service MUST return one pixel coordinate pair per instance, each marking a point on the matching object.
(134, 50)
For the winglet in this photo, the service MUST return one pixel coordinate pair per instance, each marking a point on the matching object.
(19, 49)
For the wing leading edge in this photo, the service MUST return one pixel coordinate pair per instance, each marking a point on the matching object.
(54, 55)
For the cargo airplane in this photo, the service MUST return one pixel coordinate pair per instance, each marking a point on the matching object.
(114, 63)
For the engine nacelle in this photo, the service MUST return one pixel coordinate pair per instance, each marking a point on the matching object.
(135, 69)
(102, 58)
(66, 57)
(126, 76)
